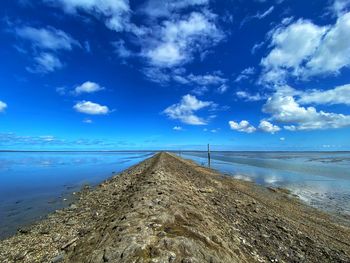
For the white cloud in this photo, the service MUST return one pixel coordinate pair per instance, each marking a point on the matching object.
(121, 50)
(175, 41)
(243, 126)
(285, 109)
(256, 47)
(203, 81)
(338, 95)
(61, 90)
(340, 6)
(3, 106)
(282, 139)
(45, 63)
(46, 43)
(165, 8)
(177, 128)
(249, 97)
(291, 44)
(206, 80)
(334, 52)
(223, 88)
(268, 127)
(265, 14)
(47, 38)
(88, 121)
(115, 13)
(245, 74)
(88, 87)
(91, 108)
(258, 15)
(184, 110)
(303, 50)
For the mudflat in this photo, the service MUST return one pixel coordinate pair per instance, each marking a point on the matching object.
(167, 209)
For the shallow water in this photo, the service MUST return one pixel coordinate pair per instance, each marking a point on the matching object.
(321, 179)
(32, 184)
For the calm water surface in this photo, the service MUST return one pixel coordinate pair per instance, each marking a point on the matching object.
(321, 179)
(32, 184)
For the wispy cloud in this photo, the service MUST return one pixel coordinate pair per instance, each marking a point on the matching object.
(245, 74)
(48, 38)
(166, 8)
(115, 14)
(46, 43)
(250, 97)
(45, 63)
(259, 15)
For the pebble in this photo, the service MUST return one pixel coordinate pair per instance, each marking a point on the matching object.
(58, 258)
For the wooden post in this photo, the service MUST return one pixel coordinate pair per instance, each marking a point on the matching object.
(208, 155)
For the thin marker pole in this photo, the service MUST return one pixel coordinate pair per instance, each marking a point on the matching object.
(208, 155)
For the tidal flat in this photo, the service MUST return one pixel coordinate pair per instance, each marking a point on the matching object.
(168, 209)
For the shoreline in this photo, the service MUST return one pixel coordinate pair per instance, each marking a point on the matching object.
(168, 199)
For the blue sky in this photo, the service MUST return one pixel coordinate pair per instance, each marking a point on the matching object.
(118, 74)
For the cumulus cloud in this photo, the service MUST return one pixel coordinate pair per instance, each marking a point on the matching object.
(48, 38)
(45, 63)
(177, 128)
(243, 126)
(91, 108)
(334, 52)
(115, 13)
(338, 95)
(268, 127)
(302, 49)
(175, 41)
(3, 106)
(184, 111)
(88, 87)
(284, 109)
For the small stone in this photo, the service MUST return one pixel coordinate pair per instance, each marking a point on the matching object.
(73, 206)
(58, 258)
(21, 255)
(69, 243)
(24, 230)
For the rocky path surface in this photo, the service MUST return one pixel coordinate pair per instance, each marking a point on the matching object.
(167, 209)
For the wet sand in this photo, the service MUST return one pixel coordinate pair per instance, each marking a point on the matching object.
(167, 209)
